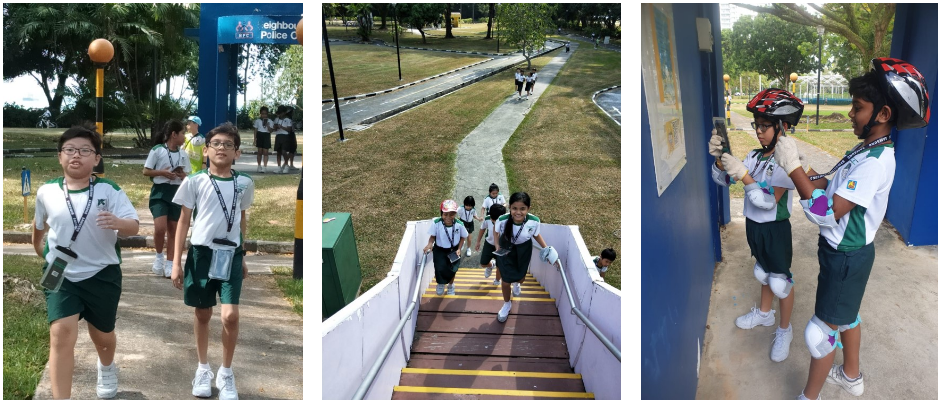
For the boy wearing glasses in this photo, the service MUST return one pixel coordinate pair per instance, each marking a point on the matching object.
(767, 204)
(82, 274)
(214, 263)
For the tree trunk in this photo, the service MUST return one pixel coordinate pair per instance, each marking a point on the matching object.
(447, 24)
(384, 13)
(423, 40)
(489, 23)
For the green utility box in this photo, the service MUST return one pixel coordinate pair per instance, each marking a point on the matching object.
(342, 275)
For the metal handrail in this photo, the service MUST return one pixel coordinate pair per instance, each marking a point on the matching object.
(587, 322)
(370, 377)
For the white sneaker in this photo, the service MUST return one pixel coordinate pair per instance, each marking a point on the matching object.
(202, 384)
(168, 269)
(754, 318)
(440, 289)
(469, 253)
(284, 168)
(451, 290)
(259, 169)
(226, 386)
(804, 398)
(158, 264)
(496, 282)
(488, 271)
(837, 377)
(516, 289)
(263, 168)
(781, 347)
(107, 381)
(503, 314)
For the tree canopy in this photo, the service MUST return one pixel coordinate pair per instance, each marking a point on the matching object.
(525, 25)
(419, 15)
(768, 46)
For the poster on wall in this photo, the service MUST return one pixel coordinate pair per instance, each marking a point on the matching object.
(663, 97)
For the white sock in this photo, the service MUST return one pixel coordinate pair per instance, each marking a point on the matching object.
(842, 368)
(225, 371)
(160, 255)
(507, 305)
(204, 366)
(764, 314)
(101, 366)
(787, 329)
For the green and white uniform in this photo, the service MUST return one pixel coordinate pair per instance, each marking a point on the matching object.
(489, 201)
(866, 181)
(162, 158)
(446, 239)
(773, 176)
(197, 191)
(514, 266)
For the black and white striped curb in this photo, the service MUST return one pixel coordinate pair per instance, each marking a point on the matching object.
(827, 130)
(594, 99)
(9, 152)
(425, 48)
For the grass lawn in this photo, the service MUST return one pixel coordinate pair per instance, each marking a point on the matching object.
(566, 155)
(25, 331)
(271, 216)
(739, 106)
(360, 69)
(834, 144)
(293, 288)
(741, 144)
(401, 168)
(470, 41)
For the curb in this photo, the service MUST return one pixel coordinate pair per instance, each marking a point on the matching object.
(828, 130)
(360, 96)
(593, 99)
(389, 113)
(28, 153)
(383, 43)
(255, 246)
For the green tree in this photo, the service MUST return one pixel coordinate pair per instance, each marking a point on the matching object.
(489, 22)
(525, 25)
(288, 86)
(363, 14)
(768, 46)
(448, 25)
(419, 15)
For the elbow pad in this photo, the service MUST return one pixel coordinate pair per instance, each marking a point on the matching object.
(819, 209)
(721, 177)
(762, 197)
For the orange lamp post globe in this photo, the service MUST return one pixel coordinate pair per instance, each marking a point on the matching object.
(300, 32)
(101, 51)
(726, 78)
(793, 77)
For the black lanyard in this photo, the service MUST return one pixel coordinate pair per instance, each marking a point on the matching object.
(849, 157)
(521, 228)
(762, 167)
(78, 223)
(172, 166)
(453, 233)
(229, 218)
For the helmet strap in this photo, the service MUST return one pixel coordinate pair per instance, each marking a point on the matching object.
(773, 142)
(866, 131)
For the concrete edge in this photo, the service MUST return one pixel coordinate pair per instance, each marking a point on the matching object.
(255, 246)
(594, 99)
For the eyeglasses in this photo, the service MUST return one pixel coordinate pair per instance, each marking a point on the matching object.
(81, 151)
(760, 127)
(222, 145)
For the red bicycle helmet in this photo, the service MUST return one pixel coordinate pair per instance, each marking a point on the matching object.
(777, 104)
(905, 90)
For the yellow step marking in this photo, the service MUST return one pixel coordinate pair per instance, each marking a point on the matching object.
(490, 281)
(488, 298)
(495, 292)
(507, 392)
(533, 374)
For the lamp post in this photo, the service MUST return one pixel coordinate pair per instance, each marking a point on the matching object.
(101, 52)
(397, 54)
(329, 62)
(497, 29)
(299, 209)
(820, 30)
(727, 99)
(793, 78)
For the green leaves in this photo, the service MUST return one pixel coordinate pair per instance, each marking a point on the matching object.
(770, 46)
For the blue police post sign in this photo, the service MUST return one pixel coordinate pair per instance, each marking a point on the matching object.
(25, 184)
(280, 29)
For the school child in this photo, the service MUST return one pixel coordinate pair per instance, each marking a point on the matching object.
(530, 82)
(281, 124)
(263, 127)
(194, 144)
(83, 215)
(466, 215)
(167, 167)
(848, 210)
(520, 79)
(514, 231)
(215, 261)
(493, 198)
(487, 259)
(767, 205)
(291, 141)
(447, 237)
(567, 47)
(602, 262)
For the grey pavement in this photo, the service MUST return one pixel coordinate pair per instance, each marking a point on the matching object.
(479, 155)
(156, 349)
(609, 102)
(899, 320)
(371, 109)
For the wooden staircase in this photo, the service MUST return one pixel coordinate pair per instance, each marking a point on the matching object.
(462, 352)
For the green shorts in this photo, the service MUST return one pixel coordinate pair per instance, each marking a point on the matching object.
(263, 141)
(771, 244)
(486, 255)
(198, 290)
(444, 270)
(95, 299)
(161, 201)
(842, 280)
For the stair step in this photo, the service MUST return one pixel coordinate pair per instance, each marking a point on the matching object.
(500, 298)
(456, 304)
(469, 393)
(491, 345)
(497, 363)
(486, 324)
(472, 380)
(490, 292)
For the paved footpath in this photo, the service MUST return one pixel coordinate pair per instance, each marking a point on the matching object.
(156, 349)
(480, 156)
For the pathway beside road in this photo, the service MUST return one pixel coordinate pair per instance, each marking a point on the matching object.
(609, 102)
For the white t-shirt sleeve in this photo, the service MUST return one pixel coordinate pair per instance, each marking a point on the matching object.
(186, 194)
(432, 231)
(463, 232)
(249, 195)
(40, 216)
(151, 162)
(780, 179)
(121, 206)
(538, 229)
(863, 183)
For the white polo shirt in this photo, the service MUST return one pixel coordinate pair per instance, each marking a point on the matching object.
(465, 214)
(530, 228)
(161, 158)
(210, 223)
(489, 201)
(96, 248)
(285, 122)
(770, 173)
(488, 227)
(866, 181)
(259, 125)
(447, 236)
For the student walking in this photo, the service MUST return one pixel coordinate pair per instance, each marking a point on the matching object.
(849, 209)
(447, 236)
(281, 145)
(83, 216)
(520, 80)
(263, 127)
(166, 167)
(194, 144)
(530, 82)
(487, 259)
(467, 215)
(493, 198)
(514, 233)
(215, 261)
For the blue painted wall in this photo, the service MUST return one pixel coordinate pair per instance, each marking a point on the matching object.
(680, 228)
(912, 208)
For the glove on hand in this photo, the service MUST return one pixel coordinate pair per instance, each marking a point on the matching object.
(714, 145)
(549, 255)
(733, 166)
(787, 155)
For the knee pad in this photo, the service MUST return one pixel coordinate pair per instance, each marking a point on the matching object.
(760, 274)
(820, 339)
(858, 320)
(780, 285)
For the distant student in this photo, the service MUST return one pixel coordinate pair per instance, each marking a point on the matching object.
(85, 215)
(194, 144)
(166, 167)
(530, 82)
(291, 140)
(263, 127)
(215, 261)
(493, 198)
(487, 259)
(567, 47)
(466, 215)
(514, 231)
(281, 146)
(447, 237)
(602, 262)
(520, 79)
